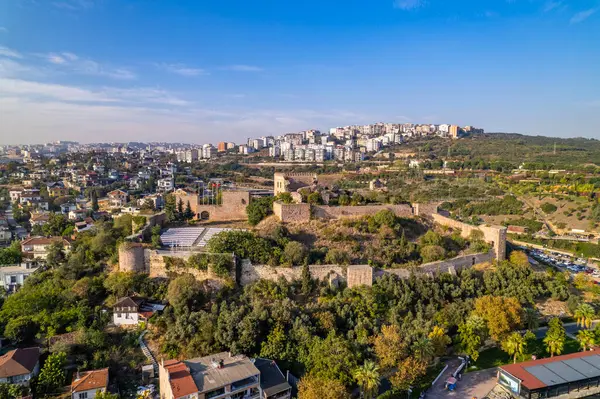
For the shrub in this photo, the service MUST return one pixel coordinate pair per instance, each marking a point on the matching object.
(294, 253)
(432, 253)
(548, 208)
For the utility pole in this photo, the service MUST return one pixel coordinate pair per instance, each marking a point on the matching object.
(555, 148)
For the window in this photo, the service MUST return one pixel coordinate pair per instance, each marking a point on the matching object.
(13, 279)
(83, 395)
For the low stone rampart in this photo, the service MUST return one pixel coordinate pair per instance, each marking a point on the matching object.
(289, 213)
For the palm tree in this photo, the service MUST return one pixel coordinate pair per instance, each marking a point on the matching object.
(584, 315)
(586, 339)
(514, 345)
(554, 344)
(367, 377)
(423, 349)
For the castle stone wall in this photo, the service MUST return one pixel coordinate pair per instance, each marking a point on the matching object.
(496, 235)
(131, 257)
(251, 273)
(292, 212)
(340, 212)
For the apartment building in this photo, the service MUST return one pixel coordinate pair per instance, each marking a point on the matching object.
(219, 376)
(222, 376)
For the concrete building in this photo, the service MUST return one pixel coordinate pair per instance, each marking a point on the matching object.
(222, 146)
(165, 185)
(87, 384)
(454, 131)
(217, 376)
(12, 277)
(19, 366)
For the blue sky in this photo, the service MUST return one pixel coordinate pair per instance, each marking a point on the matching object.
(211, 70)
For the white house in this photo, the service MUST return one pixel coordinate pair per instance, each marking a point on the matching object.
(166, 184)
(87, 384)
(130, 311)
(19, 366)
(12, 277)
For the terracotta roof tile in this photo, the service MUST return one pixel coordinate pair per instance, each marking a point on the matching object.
(93, 379)
(182, 383)
(18, 362)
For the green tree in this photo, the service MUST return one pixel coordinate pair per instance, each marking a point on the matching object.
(94, 198)
(11, 255)
(180, 209)
(471, 335)
(294, 253)
(332, 358)
(585, 315)
(423, 349)
(258, 209)
(514, 345)
(548, 208)
(52, 376)
(587, 339)
(184, 293)
(56, 254)
(368, 379)
(277, 345)
(188, 214)
(555, 337)
(171, 207)
(307, 280)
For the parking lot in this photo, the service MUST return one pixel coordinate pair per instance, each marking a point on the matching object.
(566, 263)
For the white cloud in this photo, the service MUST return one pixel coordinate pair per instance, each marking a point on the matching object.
(582, 15)
(243, 68)
(7, 52)
(76, 64)
(181, 69)
(409, 4)
(3, 29)
(74, 5)
(551, 5)
(36, 91)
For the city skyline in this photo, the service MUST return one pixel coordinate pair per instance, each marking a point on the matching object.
(102, 71)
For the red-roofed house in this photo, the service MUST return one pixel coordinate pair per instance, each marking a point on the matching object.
(19, 365)
(87, 384)
(37, 247)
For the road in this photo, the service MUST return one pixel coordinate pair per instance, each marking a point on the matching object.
(571, 328)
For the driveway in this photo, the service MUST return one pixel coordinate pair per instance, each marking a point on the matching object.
(475, 384)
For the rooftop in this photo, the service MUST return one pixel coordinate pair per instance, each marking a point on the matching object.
(205, 374)
(556, 370)
(93, 379)
(18, 362)
(272, 380)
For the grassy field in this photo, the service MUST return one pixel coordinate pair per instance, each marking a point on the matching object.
(495, 357)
